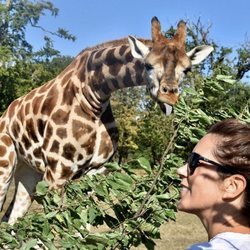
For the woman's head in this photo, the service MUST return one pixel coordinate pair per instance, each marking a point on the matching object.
(219, 163)
(233, 150)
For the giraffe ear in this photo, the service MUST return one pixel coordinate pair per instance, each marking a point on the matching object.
(199, 53)
(138, 49)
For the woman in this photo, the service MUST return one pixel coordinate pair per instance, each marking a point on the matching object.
(216, 186)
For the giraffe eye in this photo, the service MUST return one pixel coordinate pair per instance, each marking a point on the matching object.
(148, 66)
(187, 70)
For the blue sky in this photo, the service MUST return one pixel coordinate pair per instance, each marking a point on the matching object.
(97, 21)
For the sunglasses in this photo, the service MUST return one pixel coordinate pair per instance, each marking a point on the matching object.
(194, 161)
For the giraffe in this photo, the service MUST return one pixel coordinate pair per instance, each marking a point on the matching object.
(65, 128)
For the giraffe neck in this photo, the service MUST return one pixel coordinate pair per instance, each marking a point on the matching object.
(103, 70)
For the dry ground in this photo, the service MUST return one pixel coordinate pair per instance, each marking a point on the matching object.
(177, 235)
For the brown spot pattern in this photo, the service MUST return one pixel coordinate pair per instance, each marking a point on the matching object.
(55, 147)
(89, 144)
(27, 108)
(2, 151)
(66, 173)
(44, 88)
(6, 140)
(106, 147)
(99, 53)
(79, 157)
(61, 132)
(38, 153)
(81, 73)
(66, 78)
(36, 104)
(50, 101)
(79, 129)
(68, 94)
(2, 126)
(15, 129)
(60, 117)
(52, 163)
(127, 78)
(20, 114)
(26, 142)
(12, 107)
(41, 125)
(49, 132)
(31, 130)
(30, 95)
(122, 50)
(69, 151)
(4, 163)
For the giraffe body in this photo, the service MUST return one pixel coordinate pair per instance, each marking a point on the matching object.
(65, 127)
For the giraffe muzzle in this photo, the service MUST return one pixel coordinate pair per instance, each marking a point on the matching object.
(169, 95)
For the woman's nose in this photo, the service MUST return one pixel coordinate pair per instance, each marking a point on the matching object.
(182, 171)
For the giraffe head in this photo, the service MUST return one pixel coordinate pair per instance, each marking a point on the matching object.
(166, 62)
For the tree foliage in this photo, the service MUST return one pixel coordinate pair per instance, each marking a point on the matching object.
(22, 68)
(16, 16)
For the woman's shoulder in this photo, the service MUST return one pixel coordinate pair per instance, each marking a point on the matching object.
(225, 241)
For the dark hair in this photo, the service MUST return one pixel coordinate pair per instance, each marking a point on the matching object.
(233, 150)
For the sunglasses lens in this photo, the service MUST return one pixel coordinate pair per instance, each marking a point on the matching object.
(193, 162)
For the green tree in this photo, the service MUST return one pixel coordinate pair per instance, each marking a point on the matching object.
(16, 16)
(154, 134)
(243, 63)
(23, 69)
(126, 108)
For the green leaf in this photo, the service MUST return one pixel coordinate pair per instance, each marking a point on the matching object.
(170, 213)
(144, 164)
(198, 131)
(97, 238)
(194, 140)
(101, 190)
(29, 245)
(147, 227)
(57, 198)
(51, 214)
(42, 188)
(190, 91)
(225, 78)
(60, 218)
(141, 163)
(124, 181)
(92, 213)
(163, 196)
(113, 166)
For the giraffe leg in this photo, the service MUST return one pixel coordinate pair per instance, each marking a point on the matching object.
(7, 165)
(26, 180)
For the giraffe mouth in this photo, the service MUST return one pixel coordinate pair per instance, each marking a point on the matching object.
(166, 108)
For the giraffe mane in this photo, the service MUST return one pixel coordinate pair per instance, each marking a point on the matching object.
(115, 43)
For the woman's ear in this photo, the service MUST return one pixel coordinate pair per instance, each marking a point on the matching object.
(234, 185)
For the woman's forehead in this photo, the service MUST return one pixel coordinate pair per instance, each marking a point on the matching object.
(207, 145)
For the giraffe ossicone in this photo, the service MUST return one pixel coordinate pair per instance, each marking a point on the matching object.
(65, 127)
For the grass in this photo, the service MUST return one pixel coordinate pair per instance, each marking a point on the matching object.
(178, 235)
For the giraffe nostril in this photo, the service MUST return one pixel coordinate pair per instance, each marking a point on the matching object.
(176, 90)
(164, 89)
